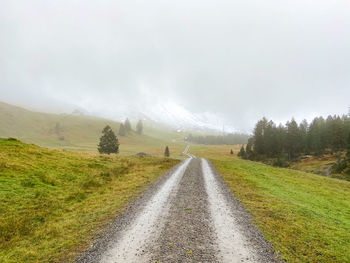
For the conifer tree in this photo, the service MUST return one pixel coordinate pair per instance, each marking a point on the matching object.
(108, 141)
(166, 152)
(231, 152)
(348, 149)
(248, 149)
(242, 153)
(122, 131)
(127, 125)
(139, 127)
(303, 127)
(292, 139)
(259, 143)
(338, 137)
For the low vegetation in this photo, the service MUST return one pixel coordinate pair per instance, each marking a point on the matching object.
(305, 216)
(53, 203)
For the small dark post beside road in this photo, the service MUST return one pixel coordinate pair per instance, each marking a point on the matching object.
(166, 152)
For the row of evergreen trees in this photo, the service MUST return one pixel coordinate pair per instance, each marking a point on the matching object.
(109, 142)
(230, 139)
(292, 140)
(125, 128)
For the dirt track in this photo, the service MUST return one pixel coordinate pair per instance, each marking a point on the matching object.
(189, 215)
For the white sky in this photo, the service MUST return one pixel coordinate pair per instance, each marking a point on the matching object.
(234, 60)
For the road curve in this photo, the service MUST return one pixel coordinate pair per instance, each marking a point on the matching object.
(190, 215)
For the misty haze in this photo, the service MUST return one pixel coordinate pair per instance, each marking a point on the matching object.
(174, 131)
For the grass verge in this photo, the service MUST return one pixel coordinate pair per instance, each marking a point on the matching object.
(305, 216)
(53, 203)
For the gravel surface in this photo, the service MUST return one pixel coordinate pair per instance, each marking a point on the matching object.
(189, 215)
(238, 240)
(187, 235)
(121, 233)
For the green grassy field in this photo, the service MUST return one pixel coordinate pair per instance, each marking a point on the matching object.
(305, 216)
(53, 203)
(82, 133)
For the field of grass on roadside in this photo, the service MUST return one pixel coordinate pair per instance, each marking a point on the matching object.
(305, 216)
(53, 203)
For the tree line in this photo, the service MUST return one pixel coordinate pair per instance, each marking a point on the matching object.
(230, 139)
(290, 141)
(125, 128)
(109, 142)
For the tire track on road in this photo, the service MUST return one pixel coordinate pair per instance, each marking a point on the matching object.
(131, 246)
(236, 238)
(190, 215)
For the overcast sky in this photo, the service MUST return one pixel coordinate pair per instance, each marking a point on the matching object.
(232, 61)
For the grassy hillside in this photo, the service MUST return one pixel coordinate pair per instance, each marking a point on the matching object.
(305, 216)
(52, 203)
(79, 133)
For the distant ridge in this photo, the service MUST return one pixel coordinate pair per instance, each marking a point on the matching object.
(70, 131)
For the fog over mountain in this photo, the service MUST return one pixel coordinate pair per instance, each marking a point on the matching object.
(185, 63)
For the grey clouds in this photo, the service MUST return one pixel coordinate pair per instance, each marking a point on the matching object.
(234, 61)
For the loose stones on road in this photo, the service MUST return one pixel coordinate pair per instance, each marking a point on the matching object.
(187, 235)
(191, 216)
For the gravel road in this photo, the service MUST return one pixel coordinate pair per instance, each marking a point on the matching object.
(189, 215)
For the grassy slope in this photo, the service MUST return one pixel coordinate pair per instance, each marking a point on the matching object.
(81, 133)
(52, 203)
(305, 216)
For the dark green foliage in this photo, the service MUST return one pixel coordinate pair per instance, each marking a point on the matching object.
(166, 152)
(241, 153)
(139, 127)
(348, 148)
(229, 139)
(288, 142)
(281, 161)
(347, 157)
(248, 149)
(259, 137)
(108, 141)
(293, 140)
(231, 152)
(122, 131)
(127, 125)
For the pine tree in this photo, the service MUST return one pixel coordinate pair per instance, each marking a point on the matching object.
(348, 149)
(248, 149)
(127, 125)
(347, 156)
(122, 131)
(293, 139)
(338, 138)
(259, 143)
(108, 141)
(166, 152)
(231, 152)
(139, 127)
(303, 127)
(242, 153)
